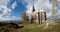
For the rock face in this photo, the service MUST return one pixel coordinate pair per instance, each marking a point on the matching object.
(38, 17)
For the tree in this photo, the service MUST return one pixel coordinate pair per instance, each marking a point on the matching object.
(25, 17)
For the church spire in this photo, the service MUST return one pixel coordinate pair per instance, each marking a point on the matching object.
(33, 9)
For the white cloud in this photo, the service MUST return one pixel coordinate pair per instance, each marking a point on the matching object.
(8, 18)
(29, 11)
(8, 15)
(39, 4)
(14, 5)
(58, 0)
(3, 5)
(14, 17)
(5, 11)
(3, 18)
(4, 2)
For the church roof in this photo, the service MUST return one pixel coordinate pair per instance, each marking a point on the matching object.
(33, 9)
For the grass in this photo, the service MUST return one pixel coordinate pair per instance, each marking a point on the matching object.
(53, 27)
(32, 28)
(6, 29)
(35, 28)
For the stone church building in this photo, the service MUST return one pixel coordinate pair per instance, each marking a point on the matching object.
(38, 17)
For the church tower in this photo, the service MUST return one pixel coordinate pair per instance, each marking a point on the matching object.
(33, 10)
(38, 17)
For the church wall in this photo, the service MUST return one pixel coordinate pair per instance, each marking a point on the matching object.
(39, 19)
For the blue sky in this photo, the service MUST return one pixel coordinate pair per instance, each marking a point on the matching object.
(13, 9)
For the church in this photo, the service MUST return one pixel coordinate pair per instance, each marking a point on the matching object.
(38, 17)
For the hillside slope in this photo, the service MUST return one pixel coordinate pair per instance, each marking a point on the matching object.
(52, 27)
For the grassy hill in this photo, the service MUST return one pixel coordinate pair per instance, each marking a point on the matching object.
(52, 27)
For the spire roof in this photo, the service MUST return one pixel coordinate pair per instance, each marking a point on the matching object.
(33, 9)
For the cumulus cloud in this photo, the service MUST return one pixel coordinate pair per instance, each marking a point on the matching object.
(38, 4)
(14, 5)
(3, 18)
(46, 5)
(4, 2)
(14, 17)
(4, 10)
